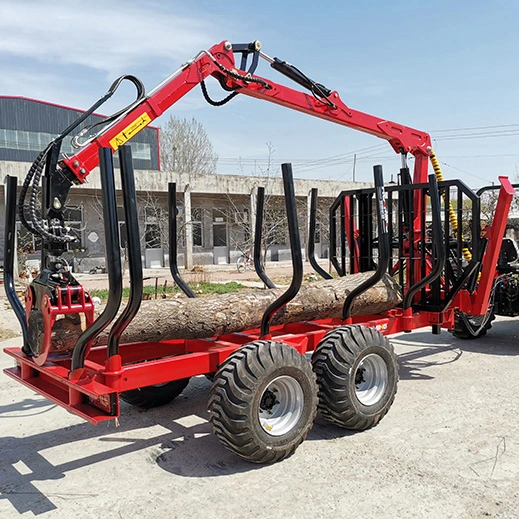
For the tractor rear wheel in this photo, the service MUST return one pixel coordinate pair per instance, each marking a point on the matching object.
(472, 327)
(357, 374)
(263, 401)
(155, 396)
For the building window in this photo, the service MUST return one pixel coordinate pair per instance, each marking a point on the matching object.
(73, 219)
(27, 242)
(152, 221)
(152, 236)
(121, 221)
(219, 228)
(24, 140)
(197, 226)
(140, 150)
(275, 228)
(36, 141)
(242, 223)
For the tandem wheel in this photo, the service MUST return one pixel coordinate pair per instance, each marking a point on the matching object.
(263, 401)
(357, 374)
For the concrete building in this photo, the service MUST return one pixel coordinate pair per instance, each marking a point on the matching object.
(215, 212)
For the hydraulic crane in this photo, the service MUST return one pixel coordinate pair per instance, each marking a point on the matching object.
(448, 280)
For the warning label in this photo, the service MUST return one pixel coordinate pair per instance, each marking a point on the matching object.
(130, 131)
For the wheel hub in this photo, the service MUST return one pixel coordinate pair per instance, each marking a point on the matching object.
(371, 379)
(281, 405)
(359, 377)
(268, 400)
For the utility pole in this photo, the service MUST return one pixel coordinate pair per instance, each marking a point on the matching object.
(354, 164)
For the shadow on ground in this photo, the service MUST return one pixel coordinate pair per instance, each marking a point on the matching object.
(501, 339)
(182, 445)
(180, 439)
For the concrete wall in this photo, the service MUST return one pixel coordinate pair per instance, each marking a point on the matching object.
(157, 181)
(207, 192)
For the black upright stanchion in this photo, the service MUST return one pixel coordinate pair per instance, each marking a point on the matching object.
(343, 233)
(295, 248)
(9, 257)
(384, 251)
(439, 254)
(134, 250)
(311, 236)
(113, 260)
(333, 234)
(173, 251)
(260, 203)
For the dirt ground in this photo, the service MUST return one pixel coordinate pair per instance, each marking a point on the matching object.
(280, 273)
(448, 448)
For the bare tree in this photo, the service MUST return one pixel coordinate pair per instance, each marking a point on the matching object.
(186, 148)
(489, 204)
(275, 228)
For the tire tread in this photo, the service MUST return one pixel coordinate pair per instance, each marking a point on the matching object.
(332, 362)
(154, 396)
(233, 390)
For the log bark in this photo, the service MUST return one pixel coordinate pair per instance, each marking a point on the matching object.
(222, 314)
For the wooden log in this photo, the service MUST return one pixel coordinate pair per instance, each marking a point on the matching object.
(222, 314)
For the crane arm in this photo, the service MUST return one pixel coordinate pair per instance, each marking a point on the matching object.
(219, 62)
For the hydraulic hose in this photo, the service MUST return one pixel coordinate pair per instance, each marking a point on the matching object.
(37, 164)
(452, 215)
(35, 223)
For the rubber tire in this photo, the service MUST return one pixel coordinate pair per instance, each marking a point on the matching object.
(155, 396)
(460, 330)
(335, 362)
(240, 264)
(235, 398)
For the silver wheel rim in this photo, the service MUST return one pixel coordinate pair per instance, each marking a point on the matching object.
(371, 379)
(281, 405)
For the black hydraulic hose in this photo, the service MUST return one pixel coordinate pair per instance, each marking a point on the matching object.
(134, 250)
(33, 177)
(295, 247)
(36, 220)
(384, 251)
(9, 257)
(38, 163)
(141, 94)
(113, 260)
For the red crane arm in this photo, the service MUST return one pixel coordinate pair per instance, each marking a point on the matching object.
(219, 62)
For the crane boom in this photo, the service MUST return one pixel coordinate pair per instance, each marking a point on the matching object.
(219, 62)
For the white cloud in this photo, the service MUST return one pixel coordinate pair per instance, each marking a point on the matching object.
(106, 36)
(48, 87)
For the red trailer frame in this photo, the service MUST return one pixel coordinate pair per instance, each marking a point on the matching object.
(89, 381)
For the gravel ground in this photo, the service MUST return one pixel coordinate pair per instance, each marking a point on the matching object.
(448, 448)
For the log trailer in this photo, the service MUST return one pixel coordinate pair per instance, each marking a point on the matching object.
(265, 394)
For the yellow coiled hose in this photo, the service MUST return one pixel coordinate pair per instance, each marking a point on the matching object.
(452, 215)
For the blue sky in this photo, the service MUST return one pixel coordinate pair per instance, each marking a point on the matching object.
(445, 67)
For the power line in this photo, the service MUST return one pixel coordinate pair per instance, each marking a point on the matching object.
(305, 165)
(476, 128)
(464, 171)
(465, 136)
